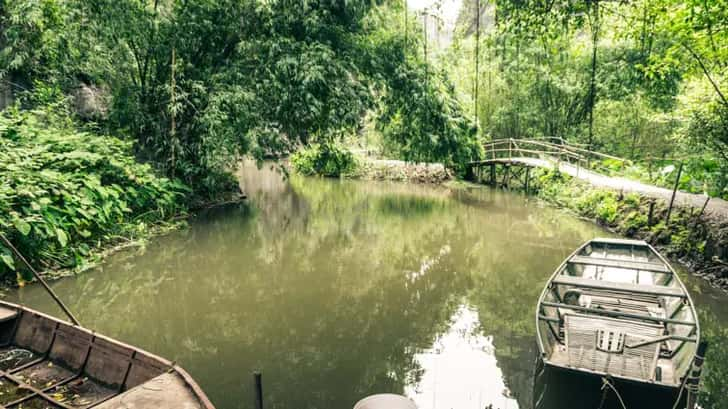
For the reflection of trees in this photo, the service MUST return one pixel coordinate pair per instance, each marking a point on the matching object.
(329, 287)
(330, 303)
(512, 262)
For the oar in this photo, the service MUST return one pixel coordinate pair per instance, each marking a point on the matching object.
(660, 339)
(40, 279)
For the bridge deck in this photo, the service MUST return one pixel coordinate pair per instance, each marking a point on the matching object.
(716, 206)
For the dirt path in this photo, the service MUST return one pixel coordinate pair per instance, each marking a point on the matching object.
(716, 207)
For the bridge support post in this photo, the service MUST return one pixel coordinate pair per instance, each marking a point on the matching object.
(528, 178)
(492, 175)
(469, 173)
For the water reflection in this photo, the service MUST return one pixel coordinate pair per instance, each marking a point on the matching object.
(339, 289)
(461, 370)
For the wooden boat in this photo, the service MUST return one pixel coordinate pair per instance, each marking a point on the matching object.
(616, 307)
(48, 363)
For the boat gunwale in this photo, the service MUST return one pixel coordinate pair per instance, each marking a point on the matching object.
(196, 390)
(637, 381)
(561, 267)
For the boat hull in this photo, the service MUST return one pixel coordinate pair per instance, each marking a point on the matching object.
(560, 387)
(49, 363)
(616, 308)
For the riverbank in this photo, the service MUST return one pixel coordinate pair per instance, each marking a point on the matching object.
(400, 171)
(692, 236)
(696, 238)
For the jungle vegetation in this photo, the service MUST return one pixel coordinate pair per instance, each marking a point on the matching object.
(644, 80)
(188, 88)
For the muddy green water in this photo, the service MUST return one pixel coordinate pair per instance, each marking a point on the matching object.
(338, 289)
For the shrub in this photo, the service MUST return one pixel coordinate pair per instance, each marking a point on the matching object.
(64, 192)
(327, 159)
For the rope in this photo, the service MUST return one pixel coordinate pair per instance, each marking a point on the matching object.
(679, 395)
(684, 386)
(606, 383)
(40, 279)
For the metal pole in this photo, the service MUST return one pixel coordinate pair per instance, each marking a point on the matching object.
(674, 192)
(258, 381)
(40, 280)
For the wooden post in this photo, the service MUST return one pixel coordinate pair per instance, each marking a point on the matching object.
(705, 205)
(650, 214)
(492, 174)
(470, 174)
(506, 171)
(528, 178)
(258, 383)
(674, 192)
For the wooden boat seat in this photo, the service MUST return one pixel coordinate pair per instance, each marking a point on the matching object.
(618, 302)
(602, 344)
(655, 290)
(164, 391)
(625, 264)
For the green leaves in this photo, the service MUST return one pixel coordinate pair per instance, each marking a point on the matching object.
(62, 237)
(63, 192)
(22, 226)
(7, 258)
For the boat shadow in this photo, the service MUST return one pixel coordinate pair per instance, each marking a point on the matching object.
(555, 388)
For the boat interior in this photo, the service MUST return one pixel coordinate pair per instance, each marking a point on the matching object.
(616, 307)
(46, 363)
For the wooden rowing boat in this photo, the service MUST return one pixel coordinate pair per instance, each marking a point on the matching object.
(48, 363)
(616, 307)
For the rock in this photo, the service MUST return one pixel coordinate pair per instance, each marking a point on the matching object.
(91, 102)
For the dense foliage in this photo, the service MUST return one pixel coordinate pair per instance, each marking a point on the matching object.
(644, 80)
(64, 193)
(324, 159)
(686, 234)
(198, 84)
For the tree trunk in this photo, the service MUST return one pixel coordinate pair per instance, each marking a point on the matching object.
(592, 82)
(477, 62)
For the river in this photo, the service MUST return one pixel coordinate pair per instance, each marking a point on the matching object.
(339, 289)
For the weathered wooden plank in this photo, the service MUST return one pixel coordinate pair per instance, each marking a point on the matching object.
(627, 264)
(627, 242)
(656, 290)
(617, 314)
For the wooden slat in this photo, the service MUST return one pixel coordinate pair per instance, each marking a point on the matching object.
(656, 290)
(617, 314)
(7, 314)
(623, 242)
(628, 264)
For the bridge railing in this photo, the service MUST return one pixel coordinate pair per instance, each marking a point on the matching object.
(552, 148)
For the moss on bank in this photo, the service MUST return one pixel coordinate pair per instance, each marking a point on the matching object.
(696, 239)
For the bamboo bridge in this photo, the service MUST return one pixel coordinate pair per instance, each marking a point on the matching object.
(508, 163)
